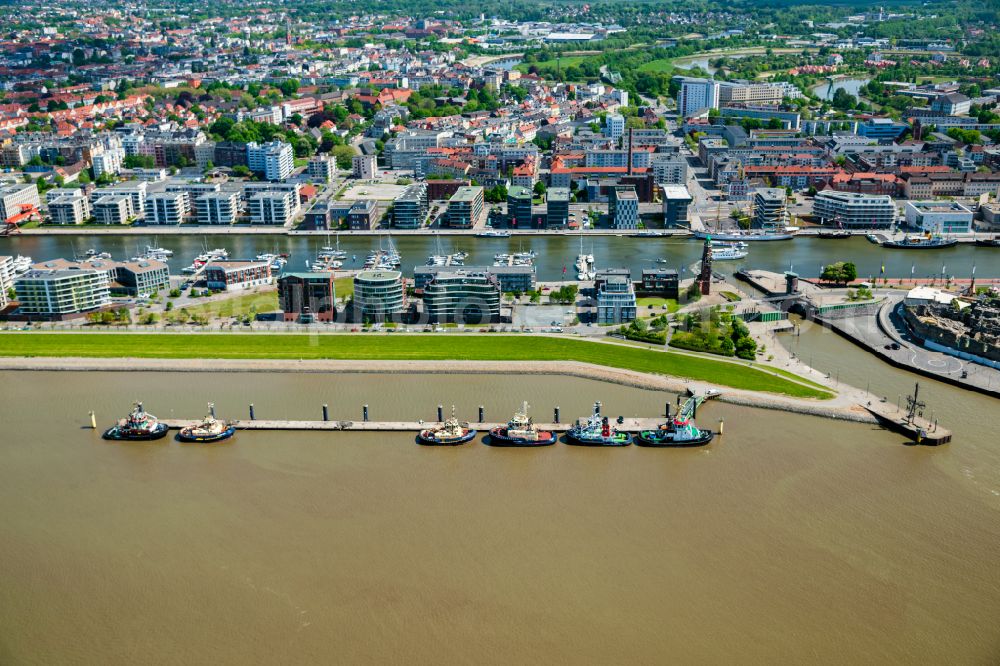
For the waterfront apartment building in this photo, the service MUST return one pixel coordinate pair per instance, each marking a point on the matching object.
(307, 297)
(659, 282)
(623, 207)
(273, 207)
(379, 295)
(167, 208)
(616, 303)
(217, 208)
(409, 209)
(322, 168)
(770, 209)
(676, 200)
(853, 210)
(16, 197)
(557, 207)
(938, 217)
(113, 209)
(511, 278)
(236, 275)
(462, 296)
(139, 279)
(56, 293)
(519, 207)
(695, 95)
(70, 208)
(466, 207)
(6, 279)
(364, 167)
(275, 160)
(135, 189)
(363, 214)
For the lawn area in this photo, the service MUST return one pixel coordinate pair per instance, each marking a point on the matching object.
(564, 62)
(354, 347)
(343, 287)
(657, 303)
(658, 65)
(239, 306)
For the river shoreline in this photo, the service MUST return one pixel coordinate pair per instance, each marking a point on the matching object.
(842, 407)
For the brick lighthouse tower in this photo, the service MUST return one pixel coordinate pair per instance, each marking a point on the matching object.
(705, 276)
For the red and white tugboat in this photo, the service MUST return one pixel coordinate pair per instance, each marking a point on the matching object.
(138, 426)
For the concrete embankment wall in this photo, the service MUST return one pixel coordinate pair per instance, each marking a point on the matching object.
(633, 379)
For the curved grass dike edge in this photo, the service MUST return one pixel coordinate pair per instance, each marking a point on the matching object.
(387, 348)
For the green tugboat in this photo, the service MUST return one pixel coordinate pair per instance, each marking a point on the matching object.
(675, 432)
(595, 430)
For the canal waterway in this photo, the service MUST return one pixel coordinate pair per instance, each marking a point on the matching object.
(788, 537)
(804, 255)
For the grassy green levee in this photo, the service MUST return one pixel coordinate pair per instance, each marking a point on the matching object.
(401, 347)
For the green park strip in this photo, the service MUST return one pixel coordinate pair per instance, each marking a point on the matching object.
(399, 347)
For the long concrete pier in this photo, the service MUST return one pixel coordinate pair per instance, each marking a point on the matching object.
(628, 424)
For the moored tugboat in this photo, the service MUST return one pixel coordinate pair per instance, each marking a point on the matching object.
(451, 432)
(138, 426)
(520, 431)
(675, 432)
(208, 430)
(595, 430)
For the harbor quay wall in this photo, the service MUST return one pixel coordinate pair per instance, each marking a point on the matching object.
(839, 410)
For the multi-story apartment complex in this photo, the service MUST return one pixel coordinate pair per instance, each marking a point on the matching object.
(519, 206)
(69, 208)
(511, 278)
(614, 126)
(379, 295)
(134, 189)
(669, 169)
(322, 168)
(15, 198)
(409, 209)
(616, 303)
(363, 214)
(273, 207)
(217, 208)
(307, 297)
(623, 207)
(275, 160)
(749, 93)
(62, 292)
(167, 208)
(466, 207)
(463, 296)
(6, 279)
(557, 207)
(236, 275)
(676, 200)
(364, 167)
(113, 209)
(853, 210)
(770, 209)
(695, 95)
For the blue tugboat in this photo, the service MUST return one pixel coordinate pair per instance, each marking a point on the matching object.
(451, 433)
(520, 431)
(595, 430)
(208, 430)
(138, 426)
